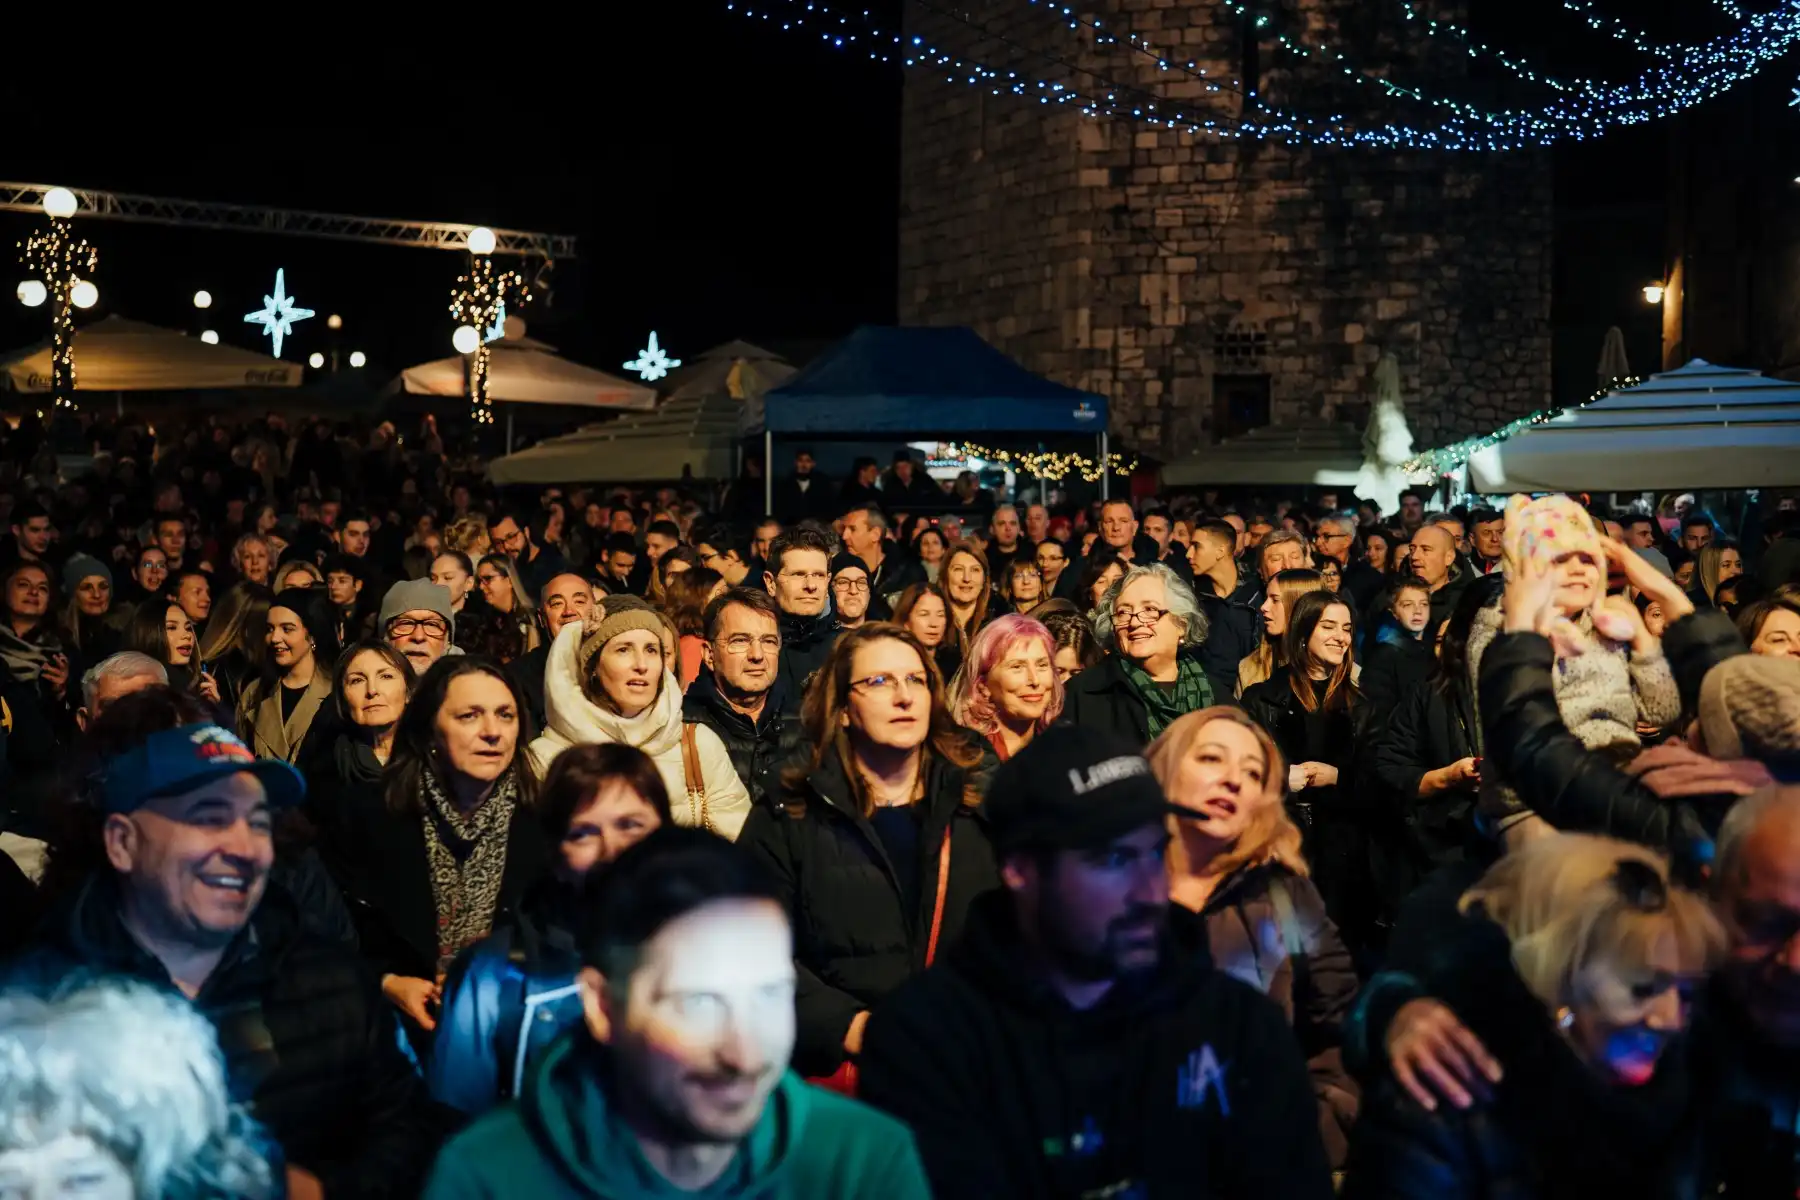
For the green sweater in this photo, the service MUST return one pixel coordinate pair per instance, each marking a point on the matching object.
(558, 1140)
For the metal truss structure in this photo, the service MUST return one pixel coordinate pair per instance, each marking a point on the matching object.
(199, 214)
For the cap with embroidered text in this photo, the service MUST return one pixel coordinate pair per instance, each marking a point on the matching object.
(1072, 789)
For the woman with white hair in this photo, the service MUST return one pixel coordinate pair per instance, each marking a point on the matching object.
(117, 1091)
(1151, 627)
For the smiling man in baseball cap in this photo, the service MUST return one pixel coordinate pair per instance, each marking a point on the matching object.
(1076, 1041)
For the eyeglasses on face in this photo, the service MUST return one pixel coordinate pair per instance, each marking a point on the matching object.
(891, 684)
(853, 586)
(740, 643)
(1125, 618)
(407, 626)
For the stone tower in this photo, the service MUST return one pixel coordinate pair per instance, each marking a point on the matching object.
(1208, 285)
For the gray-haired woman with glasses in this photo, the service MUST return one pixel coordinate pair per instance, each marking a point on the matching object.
(1151, 625)
(872, 837)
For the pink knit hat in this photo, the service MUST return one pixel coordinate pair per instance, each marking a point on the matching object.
(1541, 531)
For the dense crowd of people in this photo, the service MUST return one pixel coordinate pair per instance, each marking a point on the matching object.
(369, 832)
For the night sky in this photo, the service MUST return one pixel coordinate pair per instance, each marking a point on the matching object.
(725, 179)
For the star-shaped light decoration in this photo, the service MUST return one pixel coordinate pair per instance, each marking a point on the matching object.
(498, 329)
(652, 362)
(278, 314)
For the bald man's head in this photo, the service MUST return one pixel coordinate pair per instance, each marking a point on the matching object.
(1758, 883)
(1433, 555)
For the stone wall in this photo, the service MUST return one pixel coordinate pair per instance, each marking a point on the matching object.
(1174, 273)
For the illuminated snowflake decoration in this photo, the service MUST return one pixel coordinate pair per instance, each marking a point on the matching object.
(278, 314)
(652, 362)
(1795, 102)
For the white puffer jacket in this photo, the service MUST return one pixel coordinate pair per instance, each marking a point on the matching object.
(574, 720)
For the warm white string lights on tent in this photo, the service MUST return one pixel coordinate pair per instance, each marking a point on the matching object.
(477, 304)
(1684, 77)
(58, 262)
(1047, 464)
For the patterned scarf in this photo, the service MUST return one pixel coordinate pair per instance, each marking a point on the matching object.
(24, 658)
(1192, 691)
(467, 856)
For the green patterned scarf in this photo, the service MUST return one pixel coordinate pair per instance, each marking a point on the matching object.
(1192, 691)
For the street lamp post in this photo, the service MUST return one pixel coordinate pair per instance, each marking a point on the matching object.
(475, 305)
(57, 261)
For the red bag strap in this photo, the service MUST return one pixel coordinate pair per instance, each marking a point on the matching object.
(943, 888)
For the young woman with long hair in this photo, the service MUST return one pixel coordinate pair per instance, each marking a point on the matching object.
(1234, 858)
(234, 647)
(929, 547)
(1007, 690)
(87, 615)
(509, 996)
(371, 685)
(873, 838)
(160, 628)
(968, 588)
(456, 841)
(923, 610)
(505, 593)
(1282, 593)
(1313, 710)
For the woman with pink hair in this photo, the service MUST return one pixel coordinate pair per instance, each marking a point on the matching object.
(1007, 689)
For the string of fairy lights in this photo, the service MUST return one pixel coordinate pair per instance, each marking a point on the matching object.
(1047, 464)
(478, 304)
(1685, 77)
(1447, 460)
(59, 264)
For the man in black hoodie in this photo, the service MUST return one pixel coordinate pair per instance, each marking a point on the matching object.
(741, 695)
(799, 577)
(1076, 1040)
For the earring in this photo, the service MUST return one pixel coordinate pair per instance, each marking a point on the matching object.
(1565, 1018)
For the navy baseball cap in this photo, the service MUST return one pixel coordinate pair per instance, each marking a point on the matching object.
(190, 756)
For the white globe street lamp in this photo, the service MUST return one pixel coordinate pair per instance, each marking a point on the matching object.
(358, 358)
(465, 339)
(59, 202)
(203, 299)
(315, 360)
(210, 336)
(481, 240)
(33, 293)
(84, 294)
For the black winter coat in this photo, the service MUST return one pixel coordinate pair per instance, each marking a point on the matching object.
(1562, 780)
(1183, 1082)
(387, 881)
(308, 1039)
(1102, 698)
(757, 748)
(854, 940)
(1428, 729)
(1347, 840)
(1267, 927)
(1234, 629)
(805, 644)
(1552, 1129)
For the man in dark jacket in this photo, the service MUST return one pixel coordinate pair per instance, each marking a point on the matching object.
(906, 484)
(799, 578)
(566, 599)
(676, 1081)
(1228, 597)
(891, 570)
(741, 694)
(860, 487)
(511, 533)
(308, 1040)
(1076, 1041)
(805, 493)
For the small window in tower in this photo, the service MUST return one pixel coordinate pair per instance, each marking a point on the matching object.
(1240, 404)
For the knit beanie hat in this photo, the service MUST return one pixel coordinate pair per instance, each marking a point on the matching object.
(80, 567)
(1538, 532)
(847, 562)
(411, 595)
(1749, 707)
(611, 617)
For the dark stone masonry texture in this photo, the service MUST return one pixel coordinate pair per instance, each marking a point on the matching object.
(1202, 283)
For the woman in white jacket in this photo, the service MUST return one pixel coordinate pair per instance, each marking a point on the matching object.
(606, 681)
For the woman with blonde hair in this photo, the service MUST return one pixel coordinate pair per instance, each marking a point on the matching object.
(874, 839)
(1007, 690)
(1279, 599)
(968, 587)
(298, 574)
(1716, 565)
(468, 534)
(233, 647)
(1234, 858)
(505, 593)
(1573, 963)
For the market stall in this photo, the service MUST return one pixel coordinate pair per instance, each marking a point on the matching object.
(523, 370)
(1698, 426)
(119, 355)
(694, 431)
(943, 382)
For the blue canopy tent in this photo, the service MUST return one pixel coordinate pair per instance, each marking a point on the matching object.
(939, 381)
